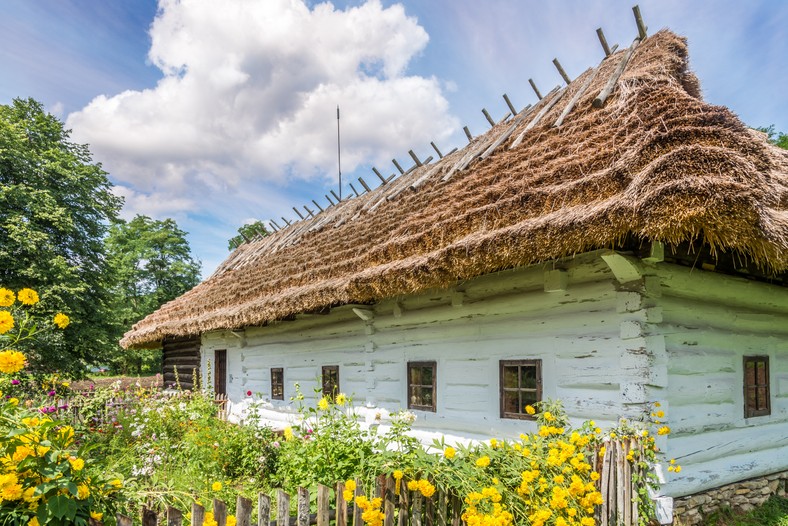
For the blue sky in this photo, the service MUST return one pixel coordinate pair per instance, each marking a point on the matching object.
(218, 113)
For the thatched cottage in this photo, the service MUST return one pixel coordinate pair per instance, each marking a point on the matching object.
(606, 254)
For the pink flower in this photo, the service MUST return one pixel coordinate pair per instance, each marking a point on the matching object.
(14, 382)
(248, 393)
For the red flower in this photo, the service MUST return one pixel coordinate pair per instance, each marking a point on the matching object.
(248, 393)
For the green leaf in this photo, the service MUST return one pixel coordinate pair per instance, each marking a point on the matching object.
(62, 507)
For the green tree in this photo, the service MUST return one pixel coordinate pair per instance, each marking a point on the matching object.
(779, 139)
(247, 233)
(55, 206)
(152, 264)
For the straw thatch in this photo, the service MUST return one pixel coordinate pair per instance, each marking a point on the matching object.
(654, 163)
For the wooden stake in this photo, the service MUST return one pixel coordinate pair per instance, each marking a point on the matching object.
(382, 179)
(303, 507)
(286, 221)
(123, 520)
(547, 107)
(467, 133)
(388, 502)
(275, 224)
(509, 103)
(148, 517)
(536, 90)
(317, 205)
(329, 200)
(574, 100)
(561, 71)
(341, 505)
(599, 101)
(364, 184)
(298, 213)
(415, 159)
(639, 21)
(308, 211)
(282, 508)
(440, 155)
(487, 116)
(401, 171)
(323, 505)
(263, 510)
(354, 189)
(603, 41)
(174, 516)
(219, 512)
(243, 511)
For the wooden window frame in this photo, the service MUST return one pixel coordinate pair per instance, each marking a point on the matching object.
(412, 365)
(327, 391)
(280, 384)
(749, 411)
(519, 363)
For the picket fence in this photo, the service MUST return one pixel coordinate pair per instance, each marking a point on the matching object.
(400, 506)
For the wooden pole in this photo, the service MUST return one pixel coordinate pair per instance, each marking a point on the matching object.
(364, 184)
(599, 101)
(263, 510)
(174, 516)
(149, 517)
(509, 103)
(354, 189)
(303, 507)
(401, 171)
(603, 41)
(308, 211)
(298, 213)
(639, 21)
(220, 512)
(282, 508)
(576, 98)
(339, 199)
(356, 510)
(440, 155)
(467, 133)
(317, 205)
(487, 116)
(243, 511)
(561, 71)
(388, 502)
(323, 505)
(328, 199)
(382, 179)
(536, 90)
(123, 520)
(414, 157)
(341, 505)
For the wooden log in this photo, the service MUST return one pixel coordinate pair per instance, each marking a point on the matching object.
(429, 173)
(639, 21)
(364, 184)
(354, 190)
(536, 90)
(467, 133)
(282, 508)
(336, 196)
(380, 485)
(286, 221)
(505, 118)
(308, 211)
(603, 41)
(547, 107)
(303, 507)
(561, 71)
(440, 155)
(149, 517)
(505, 135)
(575, 98)
(263, 509)
(382, 179)
(243, 511)
(220, 512)
(341, 505)
(123, 520)
(487, 116)
(323, 505)
(174, 516)
(401, 171)
(329, 200)
(275, 224)
(414, 157)
(599, 101)
(388, 501)
(509, 103)
(317, 205)
(298, 213)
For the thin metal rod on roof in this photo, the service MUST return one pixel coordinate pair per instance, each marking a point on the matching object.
(382, 179)
(509, 103)
(339, 199)
(354, 189)
(329, 200)
(275, 224)
(599, 101)
(364, 184)
(639, 21)
(308, 211)
(561, 71)
(298, 213)
(398, 166)
(413, 156)
(487, 116)
(286, 221)
(467, 133)
(536, 90)
(603, 41)
(317, 205)
(339, 157)
(440, 155)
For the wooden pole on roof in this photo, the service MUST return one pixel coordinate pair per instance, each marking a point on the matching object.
(561, 71)
(382, 179)
(329, 200)
(275, 224)
(432, 143)
(364, 184)
(536, 90)
(574, 100)
(339, 199)
(317, 205)
(298, 213)
(413, 156)
(487, 116)
(308, 211)
(286, 221)
(509, 103)
(599, 101)
(398, 166)
(603, 41)
(639, 21)
(467, 133)
(354, 189)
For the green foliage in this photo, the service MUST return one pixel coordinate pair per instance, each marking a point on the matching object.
(55, 204)
(151, 263)
(246, 233)
(772, 513)
(778, 139)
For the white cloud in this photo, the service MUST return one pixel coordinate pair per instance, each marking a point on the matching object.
(249, 94)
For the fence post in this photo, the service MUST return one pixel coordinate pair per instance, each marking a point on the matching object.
(220, 512)
(149, 517)
(416, 509)
(341, 505)
(303, 507)
(282, 508)
(243, 511)
(356, 511)
(456, 510)
(174, 516)
(263, 509)
(323, 504)
(198, 515)
(123, 520)
(402, 520)
(388, 501)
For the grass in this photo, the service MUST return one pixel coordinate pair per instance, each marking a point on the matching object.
(774, 512)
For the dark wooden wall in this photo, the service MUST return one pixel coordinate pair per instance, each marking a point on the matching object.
(183, 353)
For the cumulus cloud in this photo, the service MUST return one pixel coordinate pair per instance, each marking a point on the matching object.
(248, 94)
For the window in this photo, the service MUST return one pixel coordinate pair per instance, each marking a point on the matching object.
(330, 380)
(756, 386)
(521, 385)
(421, 385)
(277, 383)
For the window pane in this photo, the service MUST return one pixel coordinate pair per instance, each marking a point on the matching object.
(762, 398)
(426, 396)
(749, 373)
(751, 401)
(426, 375)
(511, 402)
(528, 398)
(528, 376)
(415, 375)
(761, 376)
(510, 377)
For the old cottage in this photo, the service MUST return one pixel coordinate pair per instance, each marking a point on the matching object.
(620, 242)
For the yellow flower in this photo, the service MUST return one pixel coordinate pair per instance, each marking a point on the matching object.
(208, 519)
(76, 463)
(493, 443)
(12, 492)
(660, 414)
(216, 486)
(82, 492)
(67, 434)
(231, 520)
(656, 404)
(61, 320)
(6, 321)
(548, 416)
(664, 430)
(398, 474)
(587, 521)
(449, 452)
(288, 432)
(483, 462)
(13, 401)
(347, 495)
(594, 476)
(350, 484)
(413, 485)
(7, 297)
(341, 399)
(33, 522)
(426, 488)
(96, 515)
(323, 404)
(116, 483)
(530, 409)
(10, 361)
(28, 296)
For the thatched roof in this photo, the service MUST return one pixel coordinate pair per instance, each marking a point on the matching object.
(654, 163)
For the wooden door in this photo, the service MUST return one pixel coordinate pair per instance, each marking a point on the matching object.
(220, 372)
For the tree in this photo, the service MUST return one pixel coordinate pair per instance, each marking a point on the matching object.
(247, 233)
(778, 139)
(55, 206)
(152, 264)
